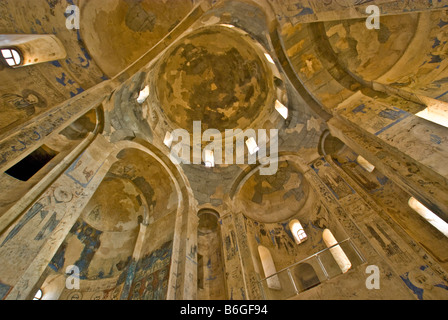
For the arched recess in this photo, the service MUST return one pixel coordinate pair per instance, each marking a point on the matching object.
(102, 242)
(306, 277)
(211, 269)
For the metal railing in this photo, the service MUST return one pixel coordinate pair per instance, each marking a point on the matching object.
(309, 273)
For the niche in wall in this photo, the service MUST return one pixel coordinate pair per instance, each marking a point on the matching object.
(306, 277)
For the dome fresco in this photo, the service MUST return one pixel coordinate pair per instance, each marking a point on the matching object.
(215, 76)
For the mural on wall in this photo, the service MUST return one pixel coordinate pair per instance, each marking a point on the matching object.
(421, 285)
(50, 83)
(151, 275)
(375, 115)
(224, 85)
(230, 245)
(394, 202)
(372, 183)
(359, 49)
(16, 107)
(90, 238)
(334, 182)
(211, 281)
(128, 28)
(27, 101)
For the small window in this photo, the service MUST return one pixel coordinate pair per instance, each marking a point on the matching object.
(297, 231)
(429, 216)
(270, 272)
(227, 25)
(12, 57)
(282, 109)
(38, 295)
(252, 146)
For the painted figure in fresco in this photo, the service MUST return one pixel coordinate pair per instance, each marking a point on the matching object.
(28, 101)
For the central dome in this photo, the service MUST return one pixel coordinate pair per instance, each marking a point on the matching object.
(215, 76)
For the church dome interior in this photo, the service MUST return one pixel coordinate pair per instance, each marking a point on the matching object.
(223, 150)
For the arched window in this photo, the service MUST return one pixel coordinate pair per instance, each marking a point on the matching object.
(168, 141)
(429, 216)
(297, 231)
(32, 164)
(365, 164)
(12, 57)
(336, 251)
(209, 158)
(38, 295)
(282, 109)
(269, 269)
